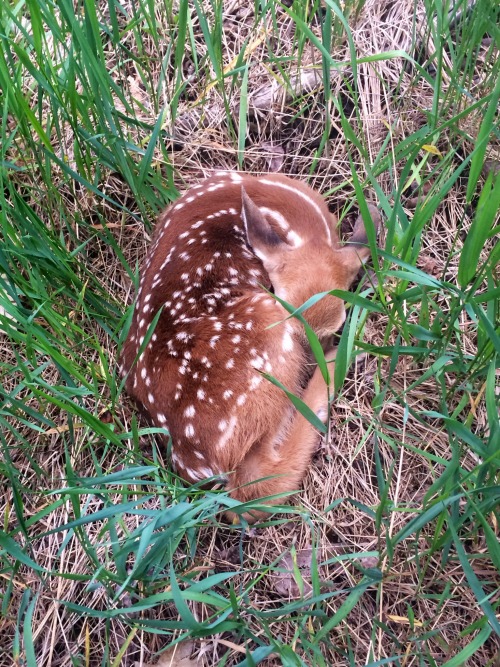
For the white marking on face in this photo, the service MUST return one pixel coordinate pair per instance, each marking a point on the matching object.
(276, 216)
(294, 239)
(303, 196)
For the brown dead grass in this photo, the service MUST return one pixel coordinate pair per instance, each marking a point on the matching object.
(344, 466)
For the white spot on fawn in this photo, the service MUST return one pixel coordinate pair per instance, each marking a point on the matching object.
(287, 342)
(322, 414)
(255, 381)
(229, 431)
(258, 362)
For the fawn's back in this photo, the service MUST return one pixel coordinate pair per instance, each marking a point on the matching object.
(199, 373)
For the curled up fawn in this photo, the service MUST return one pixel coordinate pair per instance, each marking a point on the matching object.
(200, 373)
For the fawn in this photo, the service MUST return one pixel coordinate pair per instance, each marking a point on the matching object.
(200, 373)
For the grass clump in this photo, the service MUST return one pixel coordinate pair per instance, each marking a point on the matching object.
(391, 553)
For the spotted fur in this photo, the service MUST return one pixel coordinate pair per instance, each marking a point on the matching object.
(201, 373)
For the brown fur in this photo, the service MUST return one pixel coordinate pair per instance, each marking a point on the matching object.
(199, 374)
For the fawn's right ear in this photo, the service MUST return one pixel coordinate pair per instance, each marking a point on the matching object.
(356, 251)
(261, 237)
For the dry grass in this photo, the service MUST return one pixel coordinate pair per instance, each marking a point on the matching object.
(424, 603)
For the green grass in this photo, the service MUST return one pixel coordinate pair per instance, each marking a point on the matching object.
(94, 522)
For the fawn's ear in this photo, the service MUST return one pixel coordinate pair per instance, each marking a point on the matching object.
(261, 236)
(356, 251)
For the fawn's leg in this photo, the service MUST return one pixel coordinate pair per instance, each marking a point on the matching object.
(288, 458)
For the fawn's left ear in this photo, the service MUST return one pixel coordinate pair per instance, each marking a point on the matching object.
(261, 236)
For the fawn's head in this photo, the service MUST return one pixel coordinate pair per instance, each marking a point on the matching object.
(307, 260)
